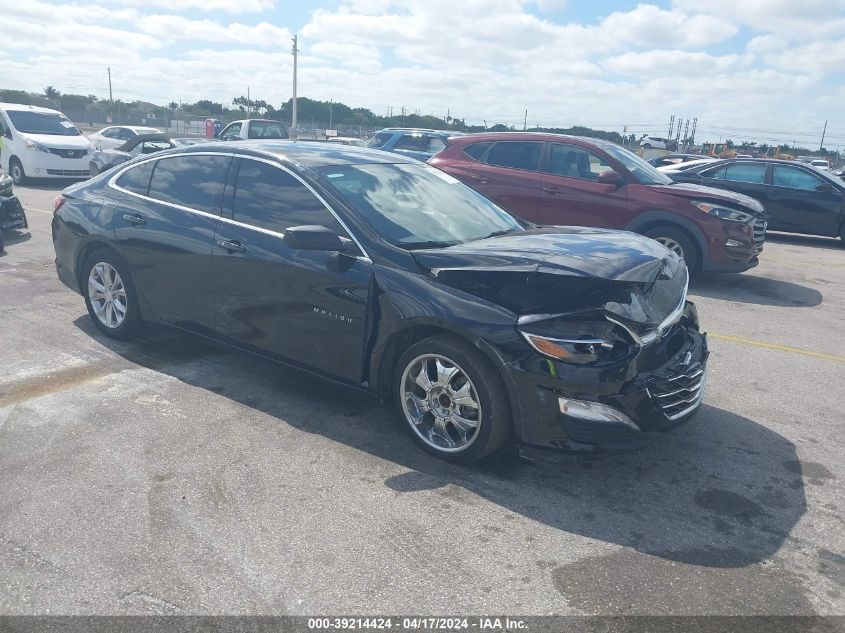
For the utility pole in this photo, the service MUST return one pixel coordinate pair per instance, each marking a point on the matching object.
(694, 125)
(671, 126)
(111, 101)
(525, 121)
(294, 52)
(686, 132)
(821, 145)
(248, 103)
(331, 103)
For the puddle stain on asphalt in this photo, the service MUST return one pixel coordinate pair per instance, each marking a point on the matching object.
(54, 382)
(627, 582)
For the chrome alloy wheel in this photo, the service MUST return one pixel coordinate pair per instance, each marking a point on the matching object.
(440, 403)
(672, 245)
(107, 295)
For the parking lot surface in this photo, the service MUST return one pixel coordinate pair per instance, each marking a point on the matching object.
(169, 476)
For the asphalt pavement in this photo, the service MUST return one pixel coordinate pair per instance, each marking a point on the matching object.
(168, 476)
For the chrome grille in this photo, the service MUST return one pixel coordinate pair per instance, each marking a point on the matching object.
(68, 153)
(680, 393)
(760, 225)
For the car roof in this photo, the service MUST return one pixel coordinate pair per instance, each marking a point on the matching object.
(527, 136)
(308, 154)
(259, 120)
(27, 108)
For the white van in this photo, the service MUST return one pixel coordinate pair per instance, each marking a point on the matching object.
(41, 143)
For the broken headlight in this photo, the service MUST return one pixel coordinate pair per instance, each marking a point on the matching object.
(575, 341)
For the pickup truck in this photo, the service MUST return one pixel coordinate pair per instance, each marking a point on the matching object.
(253, 128)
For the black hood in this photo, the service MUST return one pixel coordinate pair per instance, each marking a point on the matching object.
(709, 194)
(566, 270)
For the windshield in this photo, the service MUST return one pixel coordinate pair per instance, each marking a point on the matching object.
(42, 123)
(417, 206)
(646, 174)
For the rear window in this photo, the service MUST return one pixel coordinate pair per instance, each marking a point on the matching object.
(267, 129)
(515, 154)
(195, 182)
(136, 179)
(380, 139)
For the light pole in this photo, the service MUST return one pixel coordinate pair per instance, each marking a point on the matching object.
(294, 51)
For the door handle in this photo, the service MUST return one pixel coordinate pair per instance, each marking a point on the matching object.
(134, 218)
(479, 179)
(231, 246)
(552, 190)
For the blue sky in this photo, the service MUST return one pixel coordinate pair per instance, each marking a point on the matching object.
(765, 70)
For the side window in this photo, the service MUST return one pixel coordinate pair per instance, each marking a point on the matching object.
(124, 134)
(477, 150)
(109, 132)
(266, 129)
(231, 133)
(516, 154)
(414, 142)
(716, 174)
(270, 198)
(570, 161)
(191, 181)
(136, 179)
(787, 176)
(746, 172)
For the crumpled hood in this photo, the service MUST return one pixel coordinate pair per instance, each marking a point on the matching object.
(57, 141)
(570, 250)
(565, 270)
(709, 194)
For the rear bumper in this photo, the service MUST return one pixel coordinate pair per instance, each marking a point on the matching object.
(657, 390)
(12, 215)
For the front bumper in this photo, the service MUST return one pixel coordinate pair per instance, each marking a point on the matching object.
(735, 247)
(657, 388)
(12, 215)
(44, 165)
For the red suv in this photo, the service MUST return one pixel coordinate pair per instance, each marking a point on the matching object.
(555, 179)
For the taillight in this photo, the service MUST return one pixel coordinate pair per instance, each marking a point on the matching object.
(58, 202)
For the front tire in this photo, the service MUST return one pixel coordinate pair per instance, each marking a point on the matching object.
(110, 295)
(16, 171)
(452, 399)
(93, 169)
(679, 242)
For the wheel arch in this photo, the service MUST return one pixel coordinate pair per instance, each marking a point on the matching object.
(652, 219)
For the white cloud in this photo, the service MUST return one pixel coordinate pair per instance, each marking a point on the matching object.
(650, 26)
(227, 6)
(171, 27)
(662, 63)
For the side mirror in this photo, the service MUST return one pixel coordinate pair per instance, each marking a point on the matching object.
(824, 186)
(312, 238)
(611, 177)
(8, 134)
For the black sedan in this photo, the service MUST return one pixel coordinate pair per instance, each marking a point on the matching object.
(12, 215)
(140, 144)
(394, 278)
(798, 198)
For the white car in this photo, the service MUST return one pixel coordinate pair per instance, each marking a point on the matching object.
(116, 135)
(347, 140)
(41, 143)
(820, 163)
(656, 142)
(679, 167)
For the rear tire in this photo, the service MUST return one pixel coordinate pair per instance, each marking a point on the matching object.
(16, 171)
(92, 168)
(110, 295)
(647, 146)
(679, 242)
(452, 399)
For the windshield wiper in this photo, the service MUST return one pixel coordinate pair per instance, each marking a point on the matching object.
(426, 244)
(496, 234)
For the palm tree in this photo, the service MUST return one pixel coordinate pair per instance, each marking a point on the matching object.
(173, 105)
(51, 93)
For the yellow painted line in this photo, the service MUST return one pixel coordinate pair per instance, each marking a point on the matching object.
(777, 346)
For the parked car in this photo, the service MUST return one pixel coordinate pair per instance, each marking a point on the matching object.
(394, 278)
(12, 215)
(658, 142)
(136, 146)
(677, 159)
(820, 164)
(552, 179)
(116, 135)
(347, 140)
(798, 198)
(414, 143)
(41, 143)
(253, 128)
(691, 164)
